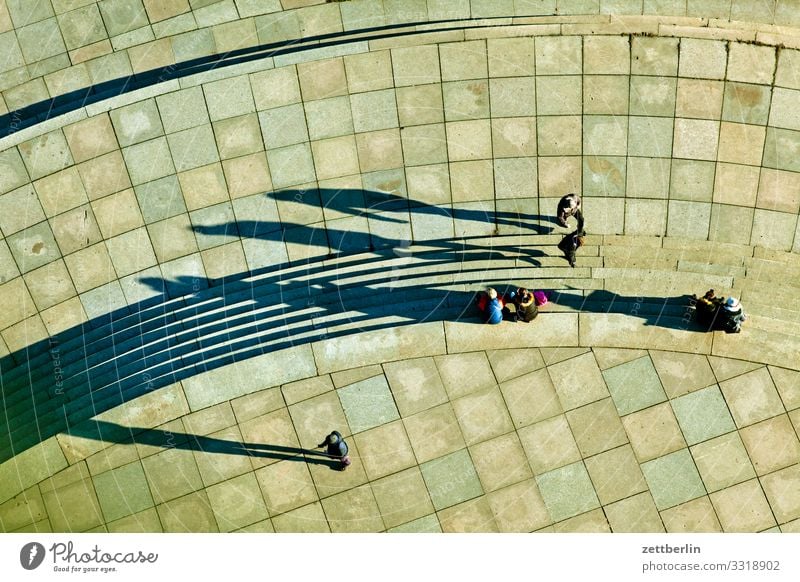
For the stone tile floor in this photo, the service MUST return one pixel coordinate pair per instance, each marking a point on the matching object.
(534, 439)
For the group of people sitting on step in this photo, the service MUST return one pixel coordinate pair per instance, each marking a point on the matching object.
(495, 307)
(719, 313)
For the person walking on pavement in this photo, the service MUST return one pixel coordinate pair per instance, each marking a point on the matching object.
(336, 449)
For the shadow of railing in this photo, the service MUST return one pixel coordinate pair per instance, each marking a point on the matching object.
(54, 385)
(196, 324)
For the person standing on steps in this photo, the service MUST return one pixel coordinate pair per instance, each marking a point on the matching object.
(570, 244)
(336, 449)
(570, 205)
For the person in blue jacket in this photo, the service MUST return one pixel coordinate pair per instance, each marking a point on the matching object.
(491, 305)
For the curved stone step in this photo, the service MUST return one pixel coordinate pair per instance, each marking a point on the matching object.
(139, 336)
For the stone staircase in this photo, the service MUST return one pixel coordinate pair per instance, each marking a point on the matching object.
(119, 357)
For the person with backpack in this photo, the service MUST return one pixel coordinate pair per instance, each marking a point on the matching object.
(336, 449)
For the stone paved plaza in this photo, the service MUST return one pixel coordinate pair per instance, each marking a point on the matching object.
(230, 227)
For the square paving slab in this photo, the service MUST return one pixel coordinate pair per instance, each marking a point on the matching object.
(471, 516)
(465, 373)
(237, 502)
(191, 513)
(752, 397)
(615, 474)
(402, 497)
(415, 385)
(286, 485)
(682, 373)
(703, 415)
(451, 479)
(123, 491)
(722, 461)
(519, 508)
(549, 444)
(743, 508)
(781, 488)
(500, 462)
(368, 404)
(434, 432)
(385, 449)
(578, 381)
(697, 515)
(637, 514)
(596, 427)
(567, 491)
(673, 479)
(482, 415)
(634, 385)
(307, 519)
(772, 444)
(353, 511)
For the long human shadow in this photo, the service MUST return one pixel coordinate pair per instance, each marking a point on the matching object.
(380, 206)
(675, 312)
(110, 432)
(333, 241)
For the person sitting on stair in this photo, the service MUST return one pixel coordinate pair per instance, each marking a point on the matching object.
(731, 316)
(491, 306)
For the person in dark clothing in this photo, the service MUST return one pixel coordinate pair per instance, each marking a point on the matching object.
(525, 304)
(731, 316)
(570, 205)
(570, 244)
(491, 306)
(707, 307)
(336, 448)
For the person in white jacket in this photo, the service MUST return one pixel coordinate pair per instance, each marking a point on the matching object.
(570, 205)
